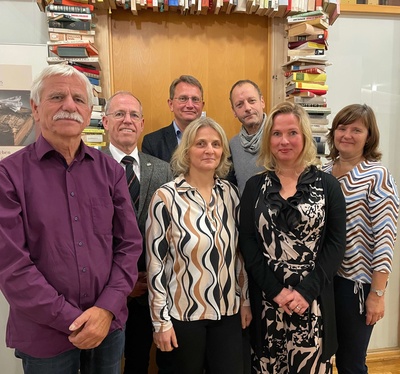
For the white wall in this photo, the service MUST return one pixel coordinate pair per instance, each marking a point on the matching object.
(365, 56)
(23, 36)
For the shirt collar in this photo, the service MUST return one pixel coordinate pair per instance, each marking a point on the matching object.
(178, 132)
(118, 155)
(43, 147)
(182, 186)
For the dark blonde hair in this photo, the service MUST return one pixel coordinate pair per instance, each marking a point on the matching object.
(348, 115)
(308, 155)
(189, 79)
(180, 162)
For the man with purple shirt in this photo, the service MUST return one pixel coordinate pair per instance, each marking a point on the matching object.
(69, 238)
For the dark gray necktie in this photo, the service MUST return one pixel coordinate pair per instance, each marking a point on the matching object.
(131, 178)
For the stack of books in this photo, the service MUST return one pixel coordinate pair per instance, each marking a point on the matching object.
(305, 70)
(71, 33)
(72, 41)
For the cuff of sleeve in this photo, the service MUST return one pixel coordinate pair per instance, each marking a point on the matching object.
(162, 327)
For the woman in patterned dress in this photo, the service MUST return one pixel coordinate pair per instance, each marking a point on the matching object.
(196, 278)
(372, 204)
(292, 237)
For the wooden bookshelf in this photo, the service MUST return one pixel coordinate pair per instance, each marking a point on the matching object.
(369, 9)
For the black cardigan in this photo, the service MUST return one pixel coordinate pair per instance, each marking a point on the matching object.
(318, 283)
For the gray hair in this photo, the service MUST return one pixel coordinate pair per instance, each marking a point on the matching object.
(65, 71)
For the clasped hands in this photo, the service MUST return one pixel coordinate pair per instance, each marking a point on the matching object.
(291, 301)
(90, 328)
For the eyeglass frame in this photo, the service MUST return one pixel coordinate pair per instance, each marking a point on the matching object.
(183, 99)
(132, 116)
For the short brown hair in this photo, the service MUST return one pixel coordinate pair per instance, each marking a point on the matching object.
(348, 115)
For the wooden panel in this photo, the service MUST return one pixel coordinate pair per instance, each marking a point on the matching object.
(151, 50)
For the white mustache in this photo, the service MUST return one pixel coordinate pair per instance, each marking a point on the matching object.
(66, 115)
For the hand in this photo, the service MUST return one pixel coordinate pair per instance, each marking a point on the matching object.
(140, 286)
(90, 328)
(283, 299)
(299, 304)
(375, 308)
(245, 316)
(165, 341)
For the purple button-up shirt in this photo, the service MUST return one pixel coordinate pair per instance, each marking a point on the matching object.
(69, 240)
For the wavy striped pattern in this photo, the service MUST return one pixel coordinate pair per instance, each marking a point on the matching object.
(193, 264)
(372, 211)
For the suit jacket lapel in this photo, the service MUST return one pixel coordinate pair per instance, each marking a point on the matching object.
(146, 170)
(170, 138)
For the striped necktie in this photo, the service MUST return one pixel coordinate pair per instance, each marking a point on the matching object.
(131, 178)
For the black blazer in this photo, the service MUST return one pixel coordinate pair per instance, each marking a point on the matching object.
(160, 143)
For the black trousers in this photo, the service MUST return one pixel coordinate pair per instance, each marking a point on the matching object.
(353, 333)
(138, 337)
(213, 345)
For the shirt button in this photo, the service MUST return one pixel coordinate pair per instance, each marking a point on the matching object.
(85, 295)
(72, 194)
(75, 218)
(80, 244)
(83, 270)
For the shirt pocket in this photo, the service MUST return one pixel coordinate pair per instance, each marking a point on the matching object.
(102, 215)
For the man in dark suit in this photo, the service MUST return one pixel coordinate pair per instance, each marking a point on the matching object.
(186, 102)
(124, 122)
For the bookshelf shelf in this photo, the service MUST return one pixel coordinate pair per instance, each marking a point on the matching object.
(370, 9)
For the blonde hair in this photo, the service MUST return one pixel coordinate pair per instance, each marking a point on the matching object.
(308, 155)
(180, 162)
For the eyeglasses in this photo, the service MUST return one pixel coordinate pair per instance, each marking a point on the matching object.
(121, 114)
(185, 99)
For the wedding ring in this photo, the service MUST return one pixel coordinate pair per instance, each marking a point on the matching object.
(297, 307)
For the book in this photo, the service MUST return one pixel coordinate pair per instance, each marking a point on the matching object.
(92, 61)
(204, 6)
(74, 3)
(304, 69)
(95, 73)
(312, 87)
(298, 43)
(58, 37)
(319, 121)
(94, 81)
(322, 35)
(308, 45)
(73, 48)
(306, 52)
(57, 16)
(67, 9)
(311, 5)
(303, 28)
(306, 77)
(173, 5)
(312, 91)
(306, 61)
(308, 101)
(307, 17)
(316, 12)
(329, 6)
(315, 112)
(71, 31)
(77, 25)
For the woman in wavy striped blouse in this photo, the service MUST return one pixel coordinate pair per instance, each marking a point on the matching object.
(372, 205)
(196, 278)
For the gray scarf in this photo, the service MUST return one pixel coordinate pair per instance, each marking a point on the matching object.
(251, 143)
